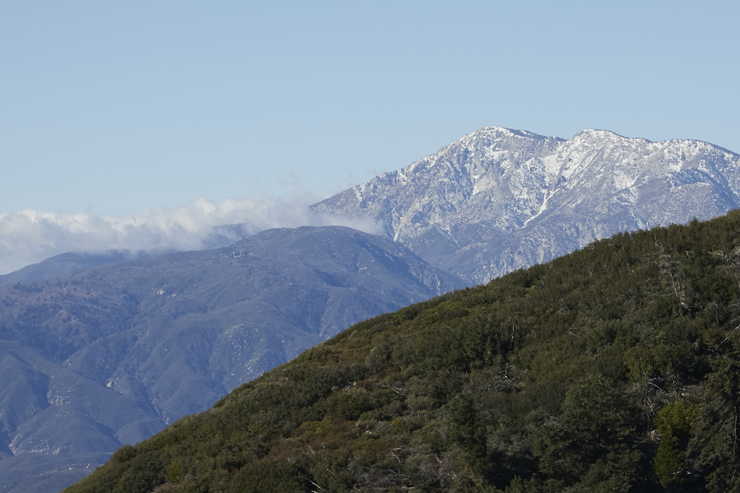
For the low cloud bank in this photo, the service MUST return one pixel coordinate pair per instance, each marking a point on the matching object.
(28, 236)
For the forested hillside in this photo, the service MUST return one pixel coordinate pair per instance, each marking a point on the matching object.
(614, 368)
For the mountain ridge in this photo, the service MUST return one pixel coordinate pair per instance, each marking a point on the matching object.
(518, 189)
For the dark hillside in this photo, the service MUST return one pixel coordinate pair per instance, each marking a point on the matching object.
(614, 368)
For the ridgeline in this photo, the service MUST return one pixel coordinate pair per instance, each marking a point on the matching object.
(614, 368)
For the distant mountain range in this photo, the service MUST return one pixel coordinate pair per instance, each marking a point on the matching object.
(101, 350)
(112, 354)
(499, 199)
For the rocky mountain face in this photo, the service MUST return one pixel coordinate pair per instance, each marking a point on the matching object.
(499, 199)
(112, 354)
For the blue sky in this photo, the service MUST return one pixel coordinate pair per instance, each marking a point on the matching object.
(120, 106)
(112, 108)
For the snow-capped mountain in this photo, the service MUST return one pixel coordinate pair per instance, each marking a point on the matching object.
(499, 199)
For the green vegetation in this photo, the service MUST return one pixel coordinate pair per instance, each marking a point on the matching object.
(611, 369)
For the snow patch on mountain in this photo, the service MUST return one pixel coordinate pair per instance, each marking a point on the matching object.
(499, 199)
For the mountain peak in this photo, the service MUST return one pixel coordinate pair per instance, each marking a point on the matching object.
(603, 135)
(511, 198)
(502, 132)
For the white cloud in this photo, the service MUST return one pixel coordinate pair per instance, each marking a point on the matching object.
(28, 236)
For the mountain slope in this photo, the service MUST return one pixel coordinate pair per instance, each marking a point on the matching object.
(498, 199)
(110, 355)
(613, 368)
